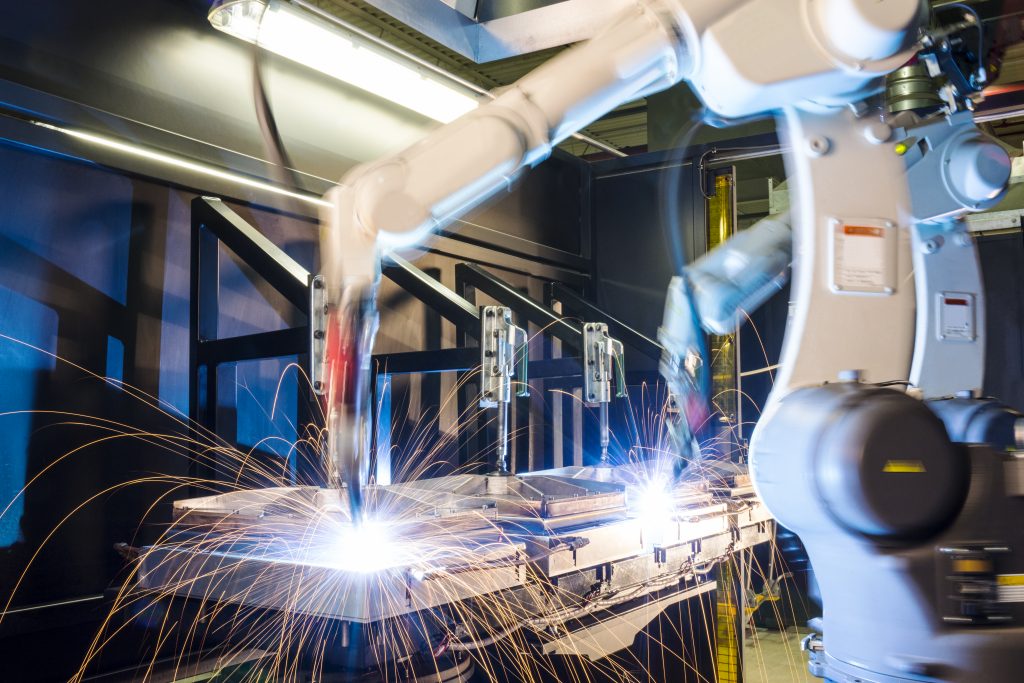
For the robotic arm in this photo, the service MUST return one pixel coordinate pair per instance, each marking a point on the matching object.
(724, 48)
(886, 288)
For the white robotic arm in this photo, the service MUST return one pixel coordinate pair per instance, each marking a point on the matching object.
(738, 54)
(884, 282)
(740, 58)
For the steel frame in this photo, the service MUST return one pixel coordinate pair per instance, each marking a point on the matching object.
(215, 223)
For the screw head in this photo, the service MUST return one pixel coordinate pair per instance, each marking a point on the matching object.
(818, 145)
(877, 132)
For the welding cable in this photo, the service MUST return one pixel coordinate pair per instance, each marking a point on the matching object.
(669, 190)
(970, 11)
(280, 163)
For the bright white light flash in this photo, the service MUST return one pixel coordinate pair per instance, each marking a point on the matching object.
(367, 548)
(655, 507)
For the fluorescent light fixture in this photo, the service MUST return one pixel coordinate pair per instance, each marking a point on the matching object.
(138, 152)
(296, 34)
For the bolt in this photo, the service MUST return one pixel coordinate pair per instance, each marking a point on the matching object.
(930, 247)
(318, 385)
(818, 145)
(877, 132)
(318, 283)
(318, 334)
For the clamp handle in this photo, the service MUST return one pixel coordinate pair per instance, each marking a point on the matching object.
(618, 356)
(521, 347)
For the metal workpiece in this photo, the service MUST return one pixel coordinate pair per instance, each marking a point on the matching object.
(603, 362)
(558, 548)
(504, 356)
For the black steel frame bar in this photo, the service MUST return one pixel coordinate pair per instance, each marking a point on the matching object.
(214, 223)
(435, 295)
(577, 306)
(528, 308)
(272, 264)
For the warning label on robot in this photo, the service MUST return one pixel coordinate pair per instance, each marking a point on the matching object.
(862, 257)
(1010, 587)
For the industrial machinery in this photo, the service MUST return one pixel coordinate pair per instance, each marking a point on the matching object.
(602, 360)
(912, 535)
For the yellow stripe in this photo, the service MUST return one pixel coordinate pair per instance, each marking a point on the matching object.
(1010, 579)
(972, 566)
(904, 467)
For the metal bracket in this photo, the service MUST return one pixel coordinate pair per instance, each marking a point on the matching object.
(317, 333)
(601, 355)
(500, 343)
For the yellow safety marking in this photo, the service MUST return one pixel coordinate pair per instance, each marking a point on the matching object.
(1010, 579)
(970, 566)
(904, 467)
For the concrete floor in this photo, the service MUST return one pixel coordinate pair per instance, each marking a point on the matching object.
(775, 657)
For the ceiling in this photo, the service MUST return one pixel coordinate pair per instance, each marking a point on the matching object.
(626, 127)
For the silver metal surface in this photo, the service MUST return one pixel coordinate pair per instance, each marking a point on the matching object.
(503, 355)
(468, 542)
(317, 333)
(601, 355)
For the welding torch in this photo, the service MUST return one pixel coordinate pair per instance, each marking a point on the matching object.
(712, 295)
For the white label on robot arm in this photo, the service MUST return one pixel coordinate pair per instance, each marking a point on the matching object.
(863, 256)
(956, 316)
